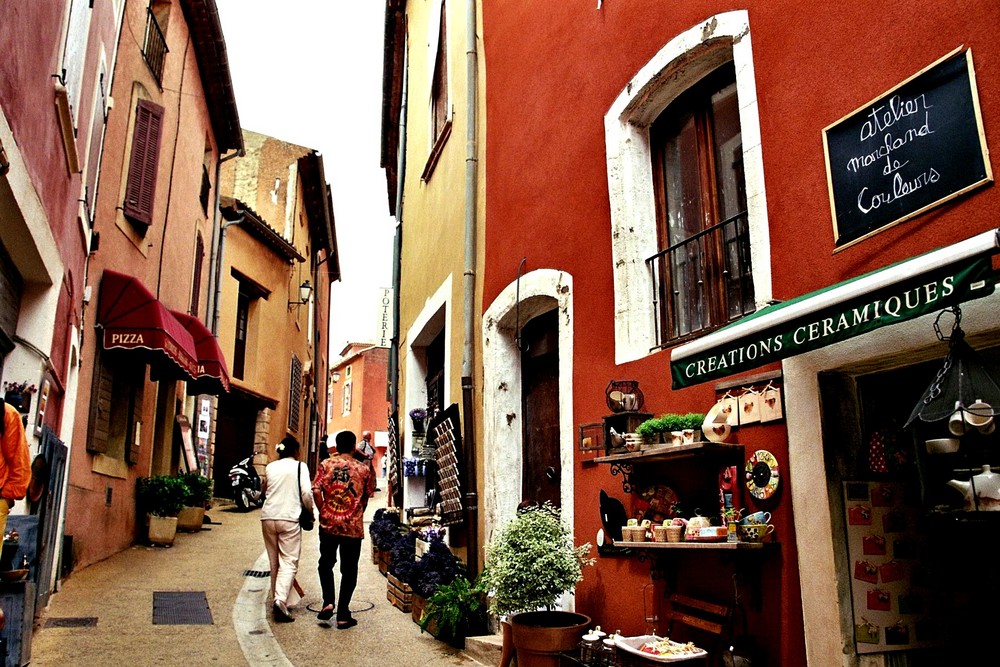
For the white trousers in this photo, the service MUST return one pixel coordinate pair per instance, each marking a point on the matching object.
(283, 541)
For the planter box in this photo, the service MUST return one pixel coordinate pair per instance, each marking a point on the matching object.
(375, 555)
(399, 594)
(191, 519)
(418, 605)
(383, 562)
(162, 530)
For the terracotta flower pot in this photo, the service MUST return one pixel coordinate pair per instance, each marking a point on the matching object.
(539, 636)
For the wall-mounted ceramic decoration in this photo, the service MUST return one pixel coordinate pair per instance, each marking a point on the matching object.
(770, 404)
(730, 408)
(762, 474)
(749, 402)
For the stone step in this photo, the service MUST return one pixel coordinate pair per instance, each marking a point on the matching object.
(484, 649)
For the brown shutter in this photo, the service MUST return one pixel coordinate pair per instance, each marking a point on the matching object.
(141, 186)
(294, 394)
(199, 259)
(134, 444)
(100, 408)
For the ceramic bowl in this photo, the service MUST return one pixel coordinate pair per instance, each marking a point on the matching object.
(942, 446)
(754, 532)
(756, 518)
(14, 575)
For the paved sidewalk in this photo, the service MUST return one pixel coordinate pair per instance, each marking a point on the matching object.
(118, 593)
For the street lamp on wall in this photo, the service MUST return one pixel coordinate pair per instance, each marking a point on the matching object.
(336, 377)
(305, 291)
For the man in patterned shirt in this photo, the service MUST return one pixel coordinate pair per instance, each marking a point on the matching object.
(341, 488)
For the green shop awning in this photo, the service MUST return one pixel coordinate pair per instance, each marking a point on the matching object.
(899, 292)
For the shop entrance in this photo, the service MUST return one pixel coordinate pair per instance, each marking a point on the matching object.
(234, 438)
(918, 567)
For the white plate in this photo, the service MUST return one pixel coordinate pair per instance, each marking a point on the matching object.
(632, 644)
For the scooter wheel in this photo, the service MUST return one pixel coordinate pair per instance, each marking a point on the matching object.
(241, 501)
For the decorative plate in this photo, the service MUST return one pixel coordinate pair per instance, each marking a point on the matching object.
(762, 474)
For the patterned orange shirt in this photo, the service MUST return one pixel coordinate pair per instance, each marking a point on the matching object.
(341, 488)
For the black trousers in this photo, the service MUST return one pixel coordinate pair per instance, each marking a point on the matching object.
(350, 553)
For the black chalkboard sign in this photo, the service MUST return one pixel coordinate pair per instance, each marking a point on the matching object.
(912, 148)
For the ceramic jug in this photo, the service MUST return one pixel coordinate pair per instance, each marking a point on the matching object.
(984, 489)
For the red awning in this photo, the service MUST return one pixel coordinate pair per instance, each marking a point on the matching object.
(133, 319)
(213, 376)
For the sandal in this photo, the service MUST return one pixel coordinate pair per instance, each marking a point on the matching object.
(350, 623)
(325, 614)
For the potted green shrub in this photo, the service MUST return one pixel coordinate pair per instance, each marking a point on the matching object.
(455, 611)
(529, 565)
(191, 518)
(161, 498)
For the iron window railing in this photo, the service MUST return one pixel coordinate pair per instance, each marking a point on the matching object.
(154, 47)
(702, 282)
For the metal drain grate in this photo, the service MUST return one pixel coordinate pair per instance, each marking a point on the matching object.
(260, 574)
(181, 608)
(72, 622)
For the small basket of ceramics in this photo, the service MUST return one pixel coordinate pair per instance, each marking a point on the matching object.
(674, 533)
(660, 533)
(633, 533)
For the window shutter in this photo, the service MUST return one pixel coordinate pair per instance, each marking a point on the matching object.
(199, 259)
(141, 186)
(134, 443)
(100, 408)
(294, 394)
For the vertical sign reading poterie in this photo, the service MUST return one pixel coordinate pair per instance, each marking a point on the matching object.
(385, 317)
(909, 150)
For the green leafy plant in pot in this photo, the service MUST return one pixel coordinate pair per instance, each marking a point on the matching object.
(529, 565)
(199, 493)
(455, 611)
(161, 497)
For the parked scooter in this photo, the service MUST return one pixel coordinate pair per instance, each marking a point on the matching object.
(246, 485)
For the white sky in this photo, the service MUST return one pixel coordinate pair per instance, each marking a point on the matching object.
(310, 72)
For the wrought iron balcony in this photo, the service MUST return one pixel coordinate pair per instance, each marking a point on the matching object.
(703, 282)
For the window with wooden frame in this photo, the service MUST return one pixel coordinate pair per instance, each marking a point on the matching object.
(116, 405)
(702, 272)
(140, 189)
(240, 344)
(439, 107)
(439, 84)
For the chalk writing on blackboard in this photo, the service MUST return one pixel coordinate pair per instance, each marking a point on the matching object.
(912, 148)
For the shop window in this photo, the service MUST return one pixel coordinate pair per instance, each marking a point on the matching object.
(116, 406)
(702, 274)
(294, 393)
(141, 187)
(686, 190)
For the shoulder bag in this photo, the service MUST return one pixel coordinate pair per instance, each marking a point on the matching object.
(306, 517)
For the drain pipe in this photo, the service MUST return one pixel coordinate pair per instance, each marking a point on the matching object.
(469, 284)
(218, 270)
(211, 307)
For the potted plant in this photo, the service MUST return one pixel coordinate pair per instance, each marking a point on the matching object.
(454, 612)
(691, 424)
(191, 518)
(385, 532)
(417, 416)
(161, 498)
(529, 565)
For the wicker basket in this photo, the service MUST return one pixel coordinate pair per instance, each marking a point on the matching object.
(660, 533)
(674, 533)
(633, 533)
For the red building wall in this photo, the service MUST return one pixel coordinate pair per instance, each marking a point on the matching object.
(549, 82)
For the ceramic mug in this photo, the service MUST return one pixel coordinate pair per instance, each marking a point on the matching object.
(629, 402)
(754, 532)
(956, 422)
(979, 415)
(756, 518)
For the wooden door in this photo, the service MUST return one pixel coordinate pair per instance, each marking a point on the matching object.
(541, 471)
